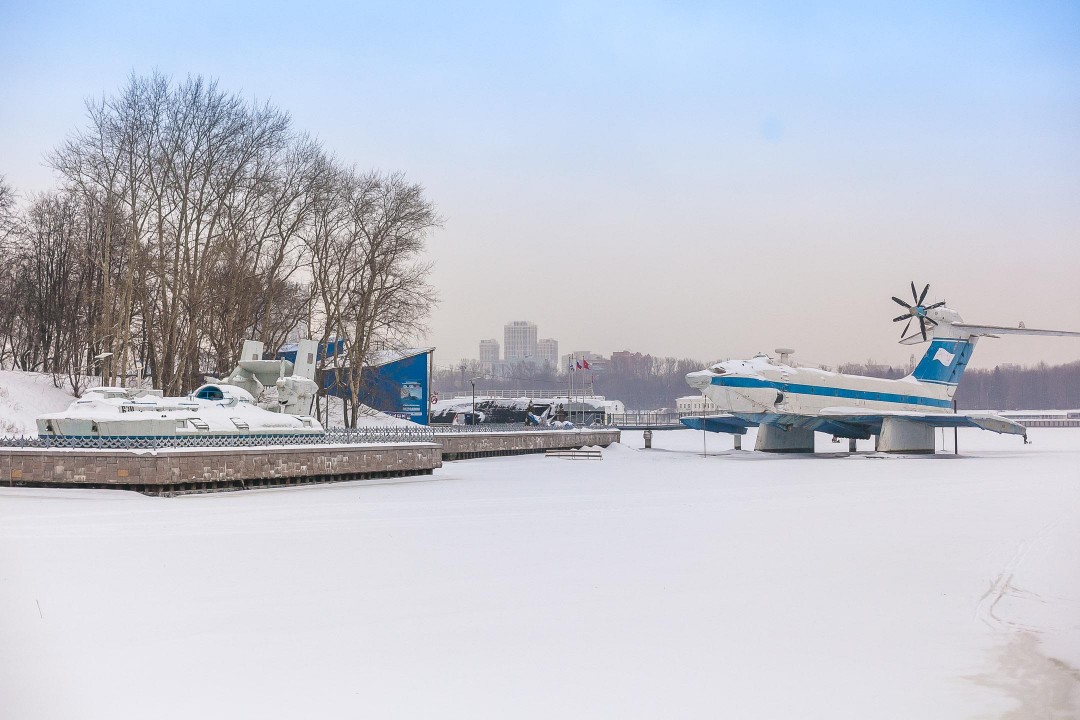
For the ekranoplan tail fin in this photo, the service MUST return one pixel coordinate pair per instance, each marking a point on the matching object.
(945, 360)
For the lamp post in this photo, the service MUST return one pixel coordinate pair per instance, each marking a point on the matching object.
(472, 382)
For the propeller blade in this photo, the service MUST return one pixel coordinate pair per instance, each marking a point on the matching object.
(924, 291)
(898, 318)
(901, 302)
(905, 329)
(914, 293)
(932, 320)
(931, 307)
(922, 326)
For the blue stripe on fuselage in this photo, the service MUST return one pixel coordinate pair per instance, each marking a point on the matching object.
(821, 390)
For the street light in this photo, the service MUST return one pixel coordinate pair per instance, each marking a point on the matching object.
(472, 382)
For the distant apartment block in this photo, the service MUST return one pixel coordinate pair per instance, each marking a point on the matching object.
(635, 364)
(489, 351)
(547, 351)
(519, 341)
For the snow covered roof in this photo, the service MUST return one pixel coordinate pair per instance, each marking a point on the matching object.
(385, 357)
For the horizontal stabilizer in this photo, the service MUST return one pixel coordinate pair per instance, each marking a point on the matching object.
(264, 369)
(1002, 330)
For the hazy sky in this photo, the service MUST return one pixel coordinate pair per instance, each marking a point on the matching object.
(691, 179)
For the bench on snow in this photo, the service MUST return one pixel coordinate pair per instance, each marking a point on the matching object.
(581, 454)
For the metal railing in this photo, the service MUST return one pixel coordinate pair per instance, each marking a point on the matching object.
(546, 394)
(333, 436)
(504, 427)
(646, 418)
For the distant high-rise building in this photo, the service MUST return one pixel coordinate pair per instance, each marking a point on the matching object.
(625, 362)
(547, 351)
(519, 340)
(489, 351)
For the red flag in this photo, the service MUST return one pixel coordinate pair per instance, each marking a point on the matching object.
(579, 365)
(586, 362)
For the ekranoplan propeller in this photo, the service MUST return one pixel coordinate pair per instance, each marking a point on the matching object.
(918, 310)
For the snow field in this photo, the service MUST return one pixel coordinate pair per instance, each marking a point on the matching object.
(24, 396)
(651, 584)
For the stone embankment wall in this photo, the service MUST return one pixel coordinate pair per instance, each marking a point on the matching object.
(483, 444)
(172, 471)
(175, 471)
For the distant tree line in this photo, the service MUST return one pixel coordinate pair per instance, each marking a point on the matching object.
(1005, 387)
(188, 219)
(657, 382)
(650, 385)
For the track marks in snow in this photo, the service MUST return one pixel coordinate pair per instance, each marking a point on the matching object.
(1001, 586)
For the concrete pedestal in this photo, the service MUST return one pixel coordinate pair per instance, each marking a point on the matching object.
(904, 436)
(774, 439)
(738, 442)
(851, 445)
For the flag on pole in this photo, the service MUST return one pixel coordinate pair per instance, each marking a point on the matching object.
(585, 363)
(579, 366)
(571, 361)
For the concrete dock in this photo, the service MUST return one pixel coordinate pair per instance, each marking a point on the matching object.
(173, 471)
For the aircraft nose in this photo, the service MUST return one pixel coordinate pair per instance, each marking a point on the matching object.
(700, 379)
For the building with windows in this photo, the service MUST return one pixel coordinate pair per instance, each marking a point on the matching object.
(489, 352)
(635, 364)
(547, 351)
(519, 341)
(694, 404)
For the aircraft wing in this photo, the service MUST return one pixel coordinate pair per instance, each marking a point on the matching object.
(723, 423)
(855, 422)
(983, 420)
(851, 422)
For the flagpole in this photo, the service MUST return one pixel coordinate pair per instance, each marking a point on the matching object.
(570, 382)
(570, 405)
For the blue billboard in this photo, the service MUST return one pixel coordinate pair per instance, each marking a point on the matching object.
(397, 384)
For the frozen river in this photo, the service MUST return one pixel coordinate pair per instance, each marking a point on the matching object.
(652, 584)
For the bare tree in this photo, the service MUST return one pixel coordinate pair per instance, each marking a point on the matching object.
(203, 179)
(190, 219)
(8, 277)
(368, 270)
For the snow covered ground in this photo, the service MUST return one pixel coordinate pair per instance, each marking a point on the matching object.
(24, 396)
(651, 584)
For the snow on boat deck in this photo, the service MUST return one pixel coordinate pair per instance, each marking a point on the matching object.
(652, 584)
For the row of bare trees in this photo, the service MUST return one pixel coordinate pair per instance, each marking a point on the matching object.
(1005, 387)
(655, 382)
(189, 219)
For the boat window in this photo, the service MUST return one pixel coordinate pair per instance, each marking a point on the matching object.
(210, 392)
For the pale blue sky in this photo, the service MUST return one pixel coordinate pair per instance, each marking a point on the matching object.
(695, 179)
